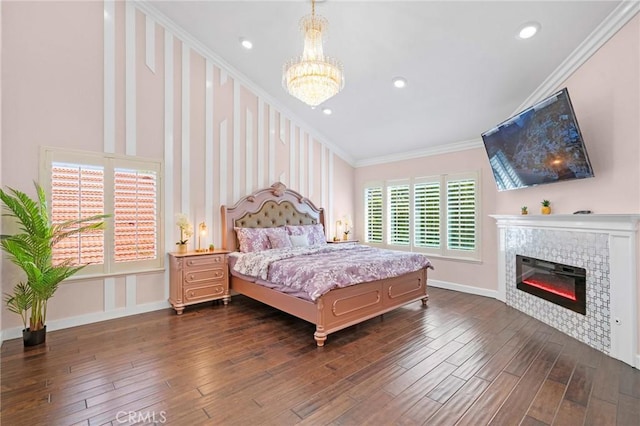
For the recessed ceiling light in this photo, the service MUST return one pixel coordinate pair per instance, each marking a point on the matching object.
(327, 111)
(247, 44)
(528, 30)
(399, 82)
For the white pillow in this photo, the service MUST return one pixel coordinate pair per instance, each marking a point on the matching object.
(299, 240)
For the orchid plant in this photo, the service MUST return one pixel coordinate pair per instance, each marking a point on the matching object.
(186, 228)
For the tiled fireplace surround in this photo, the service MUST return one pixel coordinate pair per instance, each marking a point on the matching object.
(605, 245)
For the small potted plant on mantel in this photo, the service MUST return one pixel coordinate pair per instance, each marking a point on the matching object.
(524, 210)
(31, 249)
(546, 207)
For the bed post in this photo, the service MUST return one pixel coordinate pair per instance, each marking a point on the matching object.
(320, 334)
(425, 299)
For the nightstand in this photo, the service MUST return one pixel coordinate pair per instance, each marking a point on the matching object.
(196, 277)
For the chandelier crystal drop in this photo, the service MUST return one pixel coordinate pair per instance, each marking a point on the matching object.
(313, 78)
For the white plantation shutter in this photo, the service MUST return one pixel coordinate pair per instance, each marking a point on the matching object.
(128, 189)
(461, 214)
(374, 218)
(77, 191)
(135, 211)
(436, 215)
(399, 217)
(426, 211)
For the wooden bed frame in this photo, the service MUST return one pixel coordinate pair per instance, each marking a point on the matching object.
(340, 307)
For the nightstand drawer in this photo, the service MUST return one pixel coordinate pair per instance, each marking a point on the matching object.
(204, 261)
(192, 294)
(195, 277)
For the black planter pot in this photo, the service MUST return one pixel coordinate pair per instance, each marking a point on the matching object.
(34, 338)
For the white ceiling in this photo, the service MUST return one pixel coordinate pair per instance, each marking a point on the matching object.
(465, 67)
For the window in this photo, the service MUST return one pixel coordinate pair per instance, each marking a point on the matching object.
(398, 203)
(426, 211)
(461, 214)
(127, 188)
(373, 214)
(135, 217)
(436, 215)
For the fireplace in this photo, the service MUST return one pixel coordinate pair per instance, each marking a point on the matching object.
(606, 246)
(561, 284)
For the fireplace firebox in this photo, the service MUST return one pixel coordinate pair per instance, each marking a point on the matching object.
(561, 284)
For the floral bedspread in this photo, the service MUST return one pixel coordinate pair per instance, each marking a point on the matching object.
(315, 270)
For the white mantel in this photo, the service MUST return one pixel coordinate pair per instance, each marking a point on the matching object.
(617, 235)
(586, 222)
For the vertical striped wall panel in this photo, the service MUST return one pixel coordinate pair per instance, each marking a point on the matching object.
(220, 140)
(248, 144)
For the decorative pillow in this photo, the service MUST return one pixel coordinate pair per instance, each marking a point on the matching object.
(315, 233)
(253, 239)
(279, 238)
(299, 240)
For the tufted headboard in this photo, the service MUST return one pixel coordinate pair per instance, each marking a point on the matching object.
(268, 208)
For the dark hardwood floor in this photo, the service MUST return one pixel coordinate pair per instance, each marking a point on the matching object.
(464, 360)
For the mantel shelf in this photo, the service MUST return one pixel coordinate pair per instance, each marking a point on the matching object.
(592, 222)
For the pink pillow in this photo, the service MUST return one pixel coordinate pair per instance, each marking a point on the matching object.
(253, 239)
(279, 238)
(315, 233)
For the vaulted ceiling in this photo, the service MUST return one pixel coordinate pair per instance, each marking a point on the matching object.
(466, 68)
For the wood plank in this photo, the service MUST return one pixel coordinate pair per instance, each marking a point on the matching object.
(516, 405)
(416, 415)
(600, 413)
(628, 411)
(546, 403)
(606, 380)
(490, 401)
(387, 414)
(579, 387)
(570, 413)
(457, 405)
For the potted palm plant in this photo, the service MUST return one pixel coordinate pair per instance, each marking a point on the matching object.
(31, 249)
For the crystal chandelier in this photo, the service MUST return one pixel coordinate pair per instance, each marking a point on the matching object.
(313, 78)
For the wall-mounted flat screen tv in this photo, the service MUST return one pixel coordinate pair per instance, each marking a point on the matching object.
(542, 144)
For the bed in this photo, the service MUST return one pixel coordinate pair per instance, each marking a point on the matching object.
(334, 310)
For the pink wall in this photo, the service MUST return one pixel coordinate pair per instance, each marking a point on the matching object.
(53, 76)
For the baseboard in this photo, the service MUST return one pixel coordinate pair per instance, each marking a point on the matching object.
(463, 288)
(14, 333)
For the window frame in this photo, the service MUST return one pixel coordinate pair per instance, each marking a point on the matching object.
(390, 239)
(443, 250)
(374, 185)
(109, 162)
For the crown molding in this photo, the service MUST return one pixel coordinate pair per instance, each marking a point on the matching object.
(147, 7)
(426, 152)
(602, 33)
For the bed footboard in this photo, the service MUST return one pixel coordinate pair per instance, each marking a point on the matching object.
(341, 308)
